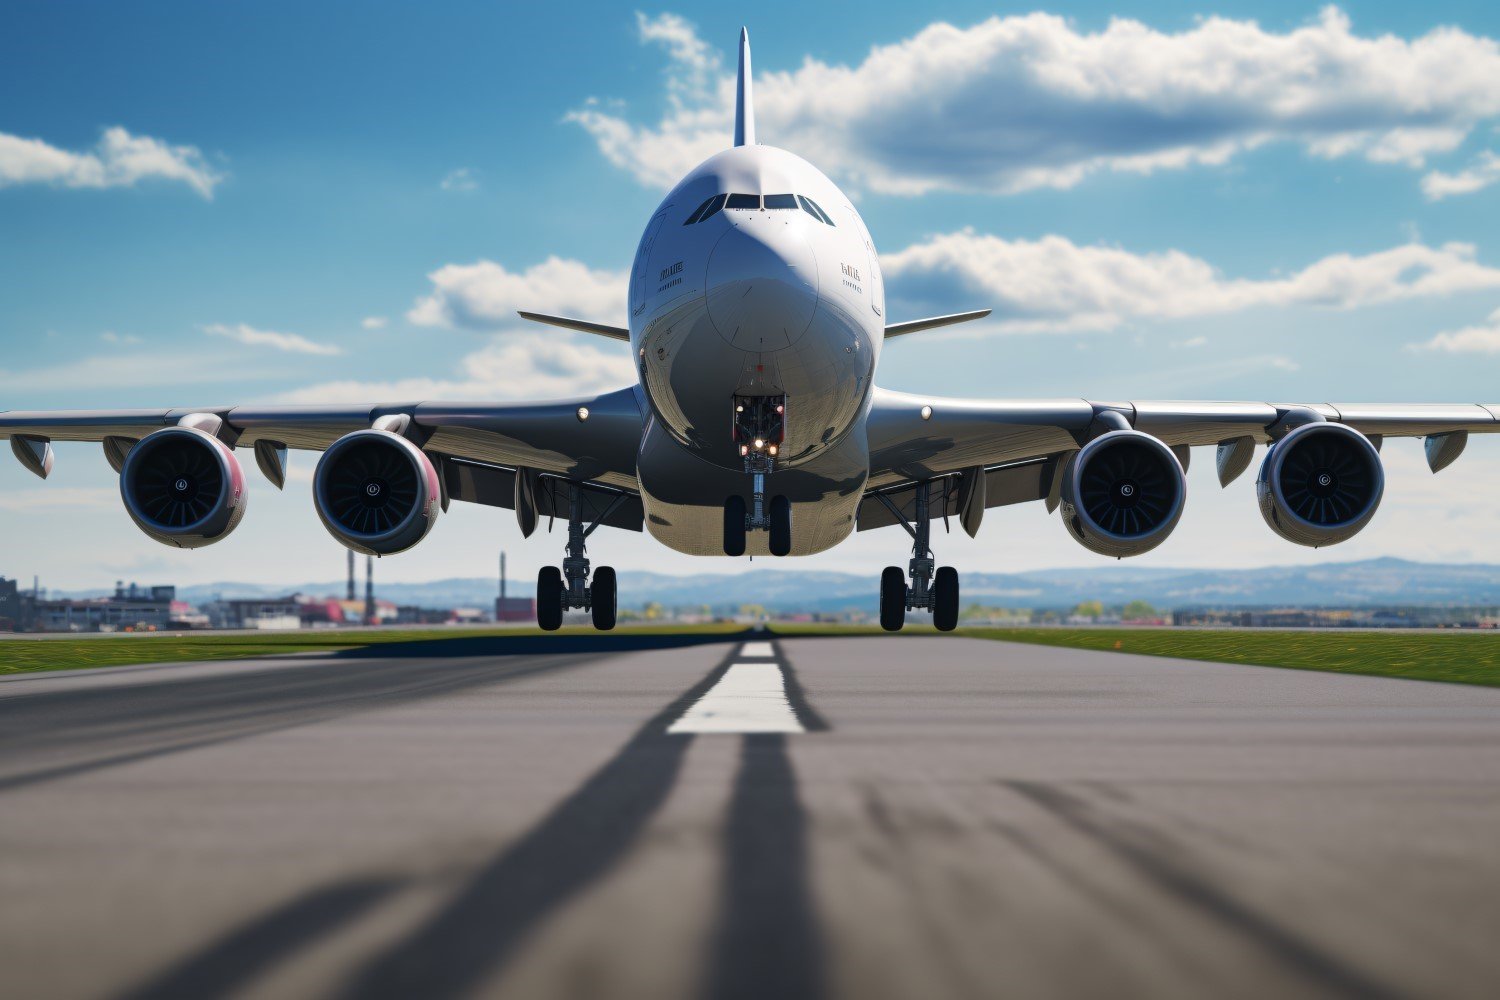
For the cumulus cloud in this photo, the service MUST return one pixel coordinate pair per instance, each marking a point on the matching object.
(521, 366)
(373, 322)
(484, 295)
(1484, 172)
(118, 160)
(1021, 102)
(292, 343)
(1481, 339)
(462, 179)
(1053, 284)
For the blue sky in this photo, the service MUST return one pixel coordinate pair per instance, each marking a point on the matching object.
(202, 204)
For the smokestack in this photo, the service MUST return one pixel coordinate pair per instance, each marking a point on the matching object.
(502, 574)
(350, 595)
(370, 591)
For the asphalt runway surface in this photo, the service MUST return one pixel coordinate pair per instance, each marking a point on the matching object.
(629, 816)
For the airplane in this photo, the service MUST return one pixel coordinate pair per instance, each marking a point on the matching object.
(756, 320)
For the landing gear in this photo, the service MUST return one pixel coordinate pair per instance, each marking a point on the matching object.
(759, 430)
(560, 590)
(932, 588)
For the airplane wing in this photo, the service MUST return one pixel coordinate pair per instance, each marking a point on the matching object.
(1001, 452)
(512, 455)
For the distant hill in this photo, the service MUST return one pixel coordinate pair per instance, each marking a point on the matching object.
(1350, 584)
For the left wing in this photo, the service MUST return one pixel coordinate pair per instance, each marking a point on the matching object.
(1012, 451)
(525, 456)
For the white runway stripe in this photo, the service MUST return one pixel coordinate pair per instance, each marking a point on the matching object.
(749, 698)
(756, 650)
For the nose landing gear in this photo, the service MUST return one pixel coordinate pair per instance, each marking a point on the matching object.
(559, 590)
(759, 430)
(933, 588)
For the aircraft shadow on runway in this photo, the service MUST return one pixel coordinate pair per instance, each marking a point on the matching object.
(766, 941)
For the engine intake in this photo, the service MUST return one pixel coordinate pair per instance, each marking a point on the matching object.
(1122, 493)
(376, 492)
(1320, 484)
(183, 487)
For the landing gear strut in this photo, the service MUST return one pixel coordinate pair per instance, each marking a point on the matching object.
(559, 590)
(759, 430)
(933, 588)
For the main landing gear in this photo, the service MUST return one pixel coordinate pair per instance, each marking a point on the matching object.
(759, 430)
(559, 590)
(932, 588)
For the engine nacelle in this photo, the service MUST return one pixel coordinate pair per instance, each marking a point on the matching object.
(376, 492)
(1122, 493)
(183, 487)
(1320, 484)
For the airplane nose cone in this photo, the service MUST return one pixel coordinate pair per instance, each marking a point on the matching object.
(762, 283)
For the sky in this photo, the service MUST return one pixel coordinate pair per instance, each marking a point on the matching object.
(211, 204)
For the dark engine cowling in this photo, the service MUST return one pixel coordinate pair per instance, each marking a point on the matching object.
(1320, 484)
(1122, 493)
(376, 492)
(183, 487)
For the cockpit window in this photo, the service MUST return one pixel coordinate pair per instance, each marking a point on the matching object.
(698, 212)
(714, 204)
(811, 208)
(781, 201)
(743, 201)
(706, 209)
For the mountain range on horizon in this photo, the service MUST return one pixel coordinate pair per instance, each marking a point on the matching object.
(1372, 582)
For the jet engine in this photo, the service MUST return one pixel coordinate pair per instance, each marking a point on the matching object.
(376, 492)
(1122, 493)
(1320, 484)
(183, 487)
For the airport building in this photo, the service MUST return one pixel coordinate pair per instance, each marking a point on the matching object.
(130, 608)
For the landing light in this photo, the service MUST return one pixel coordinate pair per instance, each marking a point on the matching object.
(744, 449)
(759, 444)
(772, 449)
(583, 413)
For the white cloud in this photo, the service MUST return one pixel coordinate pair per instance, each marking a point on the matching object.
(292, 343)
(1053, 284)
(485, 295)
(118, 160)
(463, 179)
(47, 498)
(518, 366)
(1484, 172)
(111, 337)
(126, 373)
(1021, 102)
(1481, 339)
(373, 322)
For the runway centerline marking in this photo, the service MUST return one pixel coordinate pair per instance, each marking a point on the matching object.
(749, 698)
(757, 650)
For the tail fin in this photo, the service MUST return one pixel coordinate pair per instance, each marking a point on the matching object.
(744, 103)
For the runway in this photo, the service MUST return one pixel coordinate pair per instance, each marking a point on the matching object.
(629, 816)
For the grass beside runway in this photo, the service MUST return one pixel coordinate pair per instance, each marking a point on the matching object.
(19, 656)
(1453, 656)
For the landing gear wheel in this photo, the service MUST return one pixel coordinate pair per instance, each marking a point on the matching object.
(781, 526)
(549, 599)
(602, 597)
(945, 599)
(734, 526)
(892, 599)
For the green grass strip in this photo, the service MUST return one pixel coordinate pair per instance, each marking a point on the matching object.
(19, 656)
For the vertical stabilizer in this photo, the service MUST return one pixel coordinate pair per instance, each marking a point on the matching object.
(744, 104)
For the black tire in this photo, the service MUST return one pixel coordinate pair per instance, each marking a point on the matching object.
(892, 599)
(602, 594)
(549, 599)
(781, 526)
(945, 599)
(734, 526)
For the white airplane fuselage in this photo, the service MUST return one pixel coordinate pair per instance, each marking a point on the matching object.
(749, 302)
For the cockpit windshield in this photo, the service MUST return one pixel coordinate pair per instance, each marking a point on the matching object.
(770, 202)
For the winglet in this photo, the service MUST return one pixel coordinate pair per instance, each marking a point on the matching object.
(744, 103)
